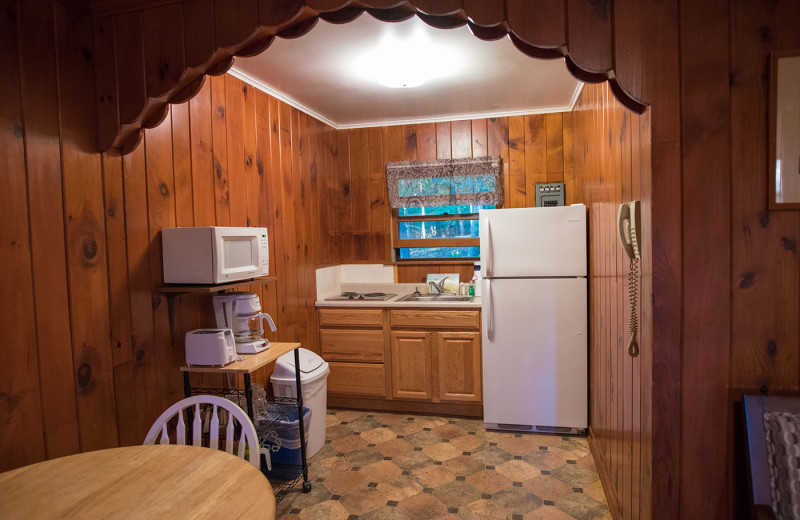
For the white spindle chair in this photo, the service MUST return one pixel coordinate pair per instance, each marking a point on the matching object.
(247, 438)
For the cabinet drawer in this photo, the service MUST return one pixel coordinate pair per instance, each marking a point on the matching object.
(357, 378)
(351, 318)
(419, 318)
(352, 345)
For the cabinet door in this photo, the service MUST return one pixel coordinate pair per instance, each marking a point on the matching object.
(411, 365)
(459, 357)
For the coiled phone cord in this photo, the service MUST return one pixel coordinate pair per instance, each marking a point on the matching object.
(633, 297)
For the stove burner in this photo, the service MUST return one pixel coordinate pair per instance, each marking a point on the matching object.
(348, 295)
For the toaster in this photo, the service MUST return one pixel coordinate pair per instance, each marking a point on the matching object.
(210, 347)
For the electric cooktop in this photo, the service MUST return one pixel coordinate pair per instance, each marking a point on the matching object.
(375, 296)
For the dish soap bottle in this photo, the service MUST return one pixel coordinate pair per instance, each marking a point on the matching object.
(475, 283)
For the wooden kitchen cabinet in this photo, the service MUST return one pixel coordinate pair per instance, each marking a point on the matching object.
(459, 360)
(411, 365)
(438, 363)
(353, 342)
(403, 359)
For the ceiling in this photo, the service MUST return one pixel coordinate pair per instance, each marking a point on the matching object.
(315, 73)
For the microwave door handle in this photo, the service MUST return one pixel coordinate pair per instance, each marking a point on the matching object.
(267, 317)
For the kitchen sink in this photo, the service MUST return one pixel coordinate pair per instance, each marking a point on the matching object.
(434, 298)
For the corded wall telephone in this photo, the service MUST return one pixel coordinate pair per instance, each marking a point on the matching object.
(629, 227)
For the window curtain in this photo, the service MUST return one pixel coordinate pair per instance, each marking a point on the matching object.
(446, 182)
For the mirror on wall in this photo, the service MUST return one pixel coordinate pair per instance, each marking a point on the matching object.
(784, 130)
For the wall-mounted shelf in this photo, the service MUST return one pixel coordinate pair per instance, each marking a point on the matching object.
(176, 290)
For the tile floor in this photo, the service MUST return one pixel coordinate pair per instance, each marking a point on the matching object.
(396, 466)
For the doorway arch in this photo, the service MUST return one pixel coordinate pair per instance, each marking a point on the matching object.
(144, 62)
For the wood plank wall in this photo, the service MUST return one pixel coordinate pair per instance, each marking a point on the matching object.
(607, 156)
(531, 148)
(89, 362)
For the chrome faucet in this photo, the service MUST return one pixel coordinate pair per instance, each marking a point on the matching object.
(439, 286)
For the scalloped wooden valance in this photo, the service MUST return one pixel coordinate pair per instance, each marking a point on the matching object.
(151, 53)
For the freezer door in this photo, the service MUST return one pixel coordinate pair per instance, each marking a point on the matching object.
(535, 370)
(524, 242)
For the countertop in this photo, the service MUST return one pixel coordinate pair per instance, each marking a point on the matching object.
(394, 304)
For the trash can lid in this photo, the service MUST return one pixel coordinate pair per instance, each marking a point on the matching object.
(309, 362)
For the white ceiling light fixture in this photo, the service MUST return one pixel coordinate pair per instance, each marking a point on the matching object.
(407, 60)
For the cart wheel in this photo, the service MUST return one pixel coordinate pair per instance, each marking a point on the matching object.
(306, 486)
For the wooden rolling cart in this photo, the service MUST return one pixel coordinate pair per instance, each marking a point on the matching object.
(282, 478)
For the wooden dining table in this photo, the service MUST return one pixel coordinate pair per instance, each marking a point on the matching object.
(160, 481)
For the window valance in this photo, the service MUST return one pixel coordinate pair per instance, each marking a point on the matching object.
(444, 182)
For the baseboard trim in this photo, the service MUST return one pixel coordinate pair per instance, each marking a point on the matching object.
(605, 479)
(411, 407)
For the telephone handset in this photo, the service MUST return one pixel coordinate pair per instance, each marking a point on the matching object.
(629, 227)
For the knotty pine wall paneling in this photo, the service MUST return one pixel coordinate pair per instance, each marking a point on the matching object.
(90, 362)
(531, 148)
(603, 155)
(39, 95)
(22, 400)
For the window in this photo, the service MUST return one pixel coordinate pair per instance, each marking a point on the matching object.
(436, 205)
(449, 232)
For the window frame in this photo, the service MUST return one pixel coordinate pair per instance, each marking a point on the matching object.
(397, 243)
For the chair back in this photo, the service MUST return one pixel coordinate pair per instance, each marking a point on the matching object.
(202, 412)
(773, 431)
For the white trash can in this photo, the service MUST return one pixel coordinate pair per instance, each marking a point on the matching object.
(314, 380)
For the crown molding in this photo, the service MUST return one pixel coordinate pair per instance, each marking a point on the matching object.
(395, 122)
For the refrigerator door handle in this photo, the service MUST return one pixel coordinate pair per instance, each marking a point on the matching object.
(487, 232)
(490, 306)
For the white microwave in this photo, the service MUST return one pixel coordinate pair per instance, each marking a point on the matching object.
(210, 255)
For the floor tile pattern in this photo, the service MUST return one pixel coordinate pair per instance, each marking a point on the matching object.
(382, 466)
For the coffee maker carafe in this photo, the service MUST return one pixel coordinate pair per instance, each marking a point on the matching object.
(241, 312)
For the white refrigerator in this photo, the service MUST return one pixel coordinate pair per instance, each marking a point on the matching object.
(534, 314)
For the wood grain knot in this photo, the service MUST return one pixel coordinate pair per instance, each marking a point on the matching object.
(87, 55)
(772, 348)
(789, 244)
(89, 248)
(221, 111)
(156, 301)
(139, 355)
(244, 90)
(260, 168)
(84, 375)
(764, 389)
(18, 133)
(411, 140)
(163, 189)
(765, 33)
(763, 218)
(217, 168)
(249, 161)
(111, 211)
(9, 402)
(746, 281)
